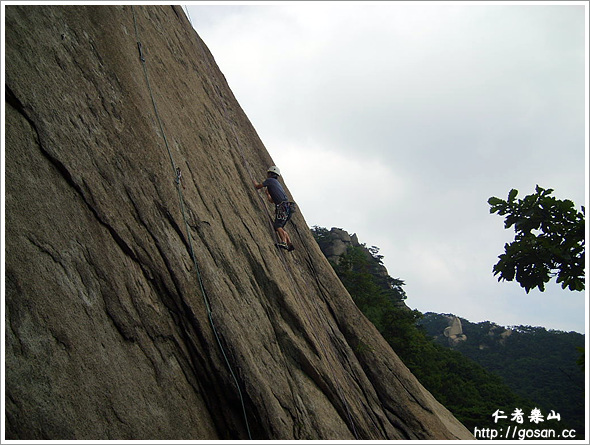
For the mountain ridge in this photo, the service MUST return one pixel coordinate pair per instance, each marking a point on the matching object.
(535, 362)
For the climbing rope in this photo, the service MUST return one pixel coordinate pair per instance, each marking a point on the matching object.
(176, 172)
(188, 14)
(282, 253)
(320, 315)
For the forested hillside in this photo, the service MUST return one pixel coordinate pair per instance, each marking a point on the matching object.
(469, 390)
(535, 362)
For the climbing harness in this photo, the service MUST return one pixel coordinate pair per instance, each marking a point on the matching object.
(284, 211)
(178, 178)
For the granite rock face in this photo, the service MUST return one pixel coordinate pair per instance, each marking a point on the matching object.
(138, 306)
(454, 331)
(340, 241)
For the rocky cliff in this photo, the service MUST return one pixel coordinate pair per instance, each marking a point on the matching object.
(336, 243)
(454, 331)
(141, 305)
(449, 327)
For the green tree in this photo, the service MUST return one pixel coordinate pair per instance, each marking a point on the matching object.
(549, 240)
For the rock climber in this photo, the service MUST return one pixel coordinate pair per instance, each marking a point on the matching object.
(283, 208)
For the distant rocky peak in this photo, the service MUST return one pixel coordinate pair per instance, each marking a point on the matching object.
(454, 331)
(336, 242)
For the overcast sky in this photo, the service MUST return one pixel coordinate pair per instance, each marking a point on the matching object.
(397, 121)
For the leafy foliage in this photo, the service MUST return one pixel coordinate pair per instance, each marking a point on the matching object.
(549, 240)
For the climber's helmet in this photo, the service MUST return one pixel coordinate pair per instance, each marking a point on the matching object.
(274, 169)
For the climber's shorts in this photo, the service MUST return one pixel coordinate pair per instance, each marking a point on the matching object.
(283, 212)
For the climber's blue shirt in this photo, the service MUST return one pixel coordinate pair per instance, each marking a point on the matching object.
(275, 189)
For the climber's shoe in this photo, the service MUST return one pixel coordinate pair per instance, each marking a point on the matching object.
(282, 245)
(290, 247)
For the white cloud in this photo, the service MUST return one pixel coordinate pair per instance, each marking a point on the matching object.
(315, 177)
